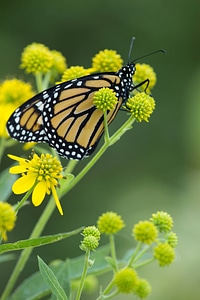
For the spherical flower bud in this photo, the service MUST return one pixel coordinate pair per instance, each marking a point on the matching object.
(172, 239)
(58, 64)
(143, 72)
(36, 58)
(7, 219)
(145, 232)
(141, 106)
(142, 288)
(125, 280)
(74, 72)
(110, 223)
(107, 61)
(105, 99)
(89, 243)
(164, 253)
(163, 221)
(91, 230)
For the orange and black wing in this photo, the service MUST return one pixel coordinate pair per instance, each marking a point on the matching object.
(73, 124)
(65, 117)
(26, 122)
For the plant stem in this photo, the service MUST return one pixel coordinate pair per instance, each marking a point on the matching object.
(113, 252)
(20, 203)
(39, 82)
(83, 276)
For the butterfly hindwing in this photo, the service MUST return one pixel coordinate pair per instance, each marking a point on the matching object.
(26, 122)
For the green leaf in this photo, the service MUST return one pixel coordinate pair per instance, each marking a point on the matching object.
(36, 242)
(34, 288)
(6, 182)
(63, 276)
(51, 280)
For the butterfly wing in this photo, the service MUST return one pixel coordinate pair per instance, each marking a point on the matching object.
(72, 123)
(65, 117)
(26, 122)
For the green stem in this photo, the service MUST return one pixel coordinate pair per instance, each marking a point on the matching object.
(108, 289)
(27, 252)
(39, 82)
(83, 276)
(137, 249)
(106, 134)
(113, 252)
(20, 203)
(136, 257)
(2, 147)
(46, 79)
(144, 263)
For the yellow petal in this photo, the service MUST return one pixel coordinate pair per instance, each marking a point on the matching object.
(57, 200)
(18, 169)
(23, 184)
(14, 157)
(39, 193)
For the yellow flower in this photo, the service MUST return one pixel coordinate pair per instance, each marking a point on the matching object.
(13, 92)
(74, 72)
(40, 174)
(7, 219)
(145, 232)
(141, 106)
(36, 58)
(59, 61)
(126, 280)
(164, 253)
(143, 72)
(107, 61)
(110, 223)
(105, 99)
(58, 65)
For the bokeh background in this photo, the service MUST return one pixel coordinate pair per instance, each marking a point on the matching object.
(155, 166)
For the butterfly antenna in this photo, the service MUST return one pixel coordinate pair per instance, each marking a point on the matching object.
(149, 54)
(130, 49)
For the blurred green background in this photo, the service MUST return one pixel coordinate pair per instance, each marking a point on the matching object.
(155, 166)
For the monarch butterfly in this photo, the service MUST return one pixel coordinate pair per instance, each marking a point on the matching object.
(65, 117)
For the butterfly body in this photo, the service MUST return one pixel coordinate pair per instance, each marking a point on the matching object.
(65, 117)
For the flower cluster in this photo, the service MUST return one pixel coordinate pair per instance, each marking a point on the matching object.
(145, 232)
(39, 174)
(37, 58)
(105, 99)
(110, 223)
(74, 72)
(91, 238)
(128, 281)
(149, 232)
(141, 106)
(107, 61)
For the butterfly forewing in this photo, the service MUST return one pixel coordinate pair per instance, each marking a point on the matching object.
(72, 122)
